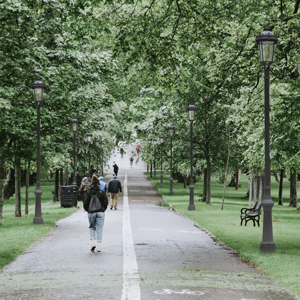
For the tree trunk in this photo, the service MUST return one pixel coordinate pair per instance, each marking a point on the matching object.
(9, 188)
(250, 192)
(17, 185)
(226, 169)
(56, 188)
(151, 168)
(280, 200)
(236, 181)
(293, 189)
(261, 187)
(204, 195)
(254, 185)
(184, 181)
(208, 199)
(27, 187)
(2, 180)
(61, 176)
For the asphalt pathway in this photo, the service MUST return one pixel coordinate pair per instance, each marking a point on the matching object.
(148, 253)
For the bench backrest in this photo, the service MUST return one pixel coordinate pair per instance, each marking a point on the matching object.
(256, 208)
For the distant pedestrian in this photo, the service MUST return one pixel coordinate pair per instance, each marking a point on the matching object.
(114, 187)
(103, 186)
(116, 169)
(131, 159)
(84, 187)
(96, 219)
(122, 152)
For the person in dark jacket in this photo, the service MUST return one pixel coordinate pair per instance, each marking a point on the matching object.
(96, 219)
(116, 169)
(114, 187)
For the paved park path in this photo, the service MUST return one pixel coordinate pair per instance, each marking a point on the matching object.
(148, 253)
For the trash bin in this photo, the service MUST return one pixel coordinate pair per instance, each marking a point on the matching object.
(68, 195)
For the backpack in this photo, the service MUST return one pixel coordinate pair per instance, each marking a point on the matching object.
(95, 204)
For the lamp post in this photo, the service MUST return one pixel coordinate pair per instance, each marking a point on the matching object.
(74, 128)
(102, 145)
(97, 144)
(266, 41)
(161, 174)
(89, 137)
(191, 111)
(38, 88)
(154, 142)
(171, 132)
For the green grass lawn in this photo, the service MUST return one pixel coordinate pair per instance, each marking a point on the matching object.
(283, 266)
(17, 234)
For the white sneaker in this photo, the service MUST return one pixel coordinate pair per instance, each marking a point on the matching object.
(93, 248)
(98, 250)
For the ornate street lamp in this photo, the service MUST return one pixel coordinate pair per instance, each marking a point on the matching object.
(161, 174)
(102, 145)
(89, 138)
(171, 132)
(38, 88)
(74, 123)
(154, 142)
(266, 43)
(97, 144)
(191, 111)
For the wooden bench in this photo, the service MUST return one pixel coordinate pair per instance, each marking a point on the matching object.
(253, 214)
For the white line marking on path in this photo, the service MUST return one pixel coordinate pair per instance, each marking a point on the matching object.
(149, 229)
(131, 278)
(189, 231)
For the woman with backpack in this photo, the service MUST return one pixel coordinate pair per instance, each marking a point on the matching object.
(96, 214)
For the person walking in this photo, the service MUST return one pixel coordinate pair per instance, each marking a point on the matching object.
(122, 152)
(103, 186)
(116, 169)
(131, 160)
(138, 150)
(96, 219)
(114, 187)
(84, 187)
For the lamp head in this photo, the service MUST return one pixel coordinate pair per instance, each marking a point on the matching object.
(266, 41)
(171, 130)
(74, 123)
(89, 137)
(161, 137)
(191, 110)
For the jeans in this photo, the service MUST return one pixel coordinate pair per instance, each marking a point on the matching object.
(96, 225)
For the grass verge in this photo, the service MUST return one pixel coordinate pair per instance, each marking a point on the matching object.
(282, 266)
(18, 234)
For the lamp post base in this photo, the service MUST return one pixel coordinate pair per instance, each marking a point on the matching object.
(171, 187)
(37, 220)
(267, 247)
(192, 207)
(161, 180)
(192, 203)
